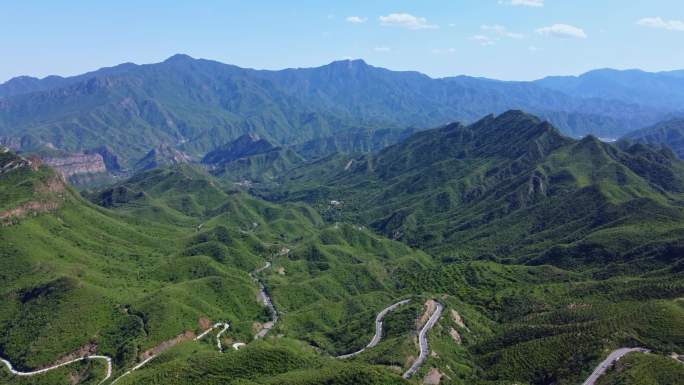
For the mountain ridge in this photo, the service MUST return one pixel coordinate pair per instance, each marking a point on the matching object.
(505, 185)
(669, 133)
(197, 105)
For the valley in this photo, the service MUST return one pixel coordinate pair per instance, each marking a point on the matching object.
(179, 220)
(457, 252)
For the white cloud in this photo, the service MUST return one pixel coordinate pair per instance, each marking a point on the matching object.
(406, 20)
(483, 40)
(526, 3)
(502, 31)
(382, 49)
(563, 31)
(443, 51)
(533, 48)
(660, 23)
(356, 19)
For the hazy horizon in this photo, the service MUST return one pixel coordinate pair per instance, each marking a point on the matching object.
(2, 81)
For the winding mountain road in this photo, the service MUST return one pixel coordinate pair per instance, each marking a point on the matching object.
(223, 325)
(422, 339)
(267, 301)
(45, 370)
(378, 329)
(608, 362)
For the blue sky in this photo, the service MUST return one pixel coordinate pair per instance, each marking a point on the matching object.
(505, 39)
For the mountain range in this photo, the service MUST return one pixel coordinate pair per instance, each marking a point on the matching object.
(545, 252)
(196, 105)
(508, 187)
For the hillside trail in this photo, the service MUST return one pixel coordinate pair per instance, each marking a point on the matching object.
(422, 340)
(378, 329)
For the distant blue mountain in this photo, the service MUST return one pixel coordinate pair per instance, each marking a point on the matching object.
(661, 90)
(198, 105)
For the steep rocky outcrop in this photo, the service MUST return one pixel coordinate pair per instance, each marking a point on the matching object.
(111, 160)
(77, 164)
(40, 190)
(162, 155)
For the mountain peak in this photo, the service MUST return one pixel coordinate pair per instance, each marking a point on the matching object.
(512, 115)
(350, 62)
(348, 65)
(179, 58)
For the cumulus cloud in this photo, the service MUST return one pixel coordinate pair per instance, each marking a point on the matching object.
(356, 19)
(502, 31)
(483, 40)
(660, 23)
(525, 3)
(563, 31)
(406, 20)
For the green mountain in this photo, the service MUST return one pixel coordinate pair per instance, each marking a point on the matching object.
(352, 142)
(250, 159)
(169, 251)
(196, 106)
(242, 147)
(669, 134)
(511, 188)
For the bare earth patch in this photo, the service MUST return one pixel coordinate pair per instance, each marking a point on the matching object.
(188, 335)
(434, 377)
(430, 306)
(455, 336)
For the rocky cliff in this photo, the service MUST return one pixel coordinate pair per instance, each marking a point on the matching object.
(77, 164)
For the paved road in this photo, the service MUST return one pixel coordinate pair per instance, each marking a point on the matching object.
(45, 370)
(223, 325)
(422, 339)
(267, 301)
(608, 362)
(378, 329)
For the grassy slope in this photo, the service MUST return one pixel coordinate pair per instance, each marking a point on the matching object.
(510, 187)
(130, 285)
(528, 324)
(135, 282)
(644, 369)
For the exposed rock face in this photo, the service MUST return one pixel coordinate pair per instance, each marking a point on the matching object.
(77, 164)
(162, 155)
(455, 336)
(434, 377)
(10, 161)
(48, 194)
(430, 306)
(110, 159)
(457, 319)
(186, 336)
